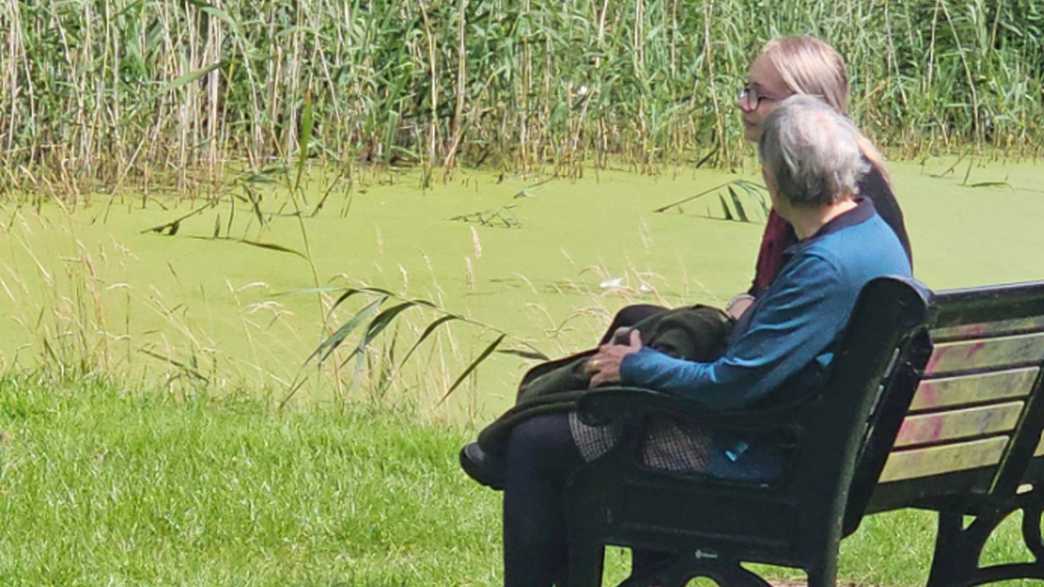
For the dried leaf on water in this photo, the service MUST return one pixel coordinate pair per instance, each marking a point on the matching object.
(271, 247)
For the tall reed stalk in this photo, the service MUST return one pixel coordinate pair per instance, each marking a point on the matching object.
(106, 92)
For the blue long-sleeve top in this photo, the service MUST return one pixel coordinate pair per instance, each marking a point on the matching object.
(793, 323)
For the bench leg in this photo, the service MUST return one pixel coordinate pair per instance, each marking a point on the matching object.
(1031, 518)
(958, 548)
(585, 565)
(1031, 536)
(822, 565)
(823, 576)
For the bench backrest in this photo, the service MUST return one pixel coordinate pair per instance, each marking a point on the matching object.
(845, 431)
(974, 421)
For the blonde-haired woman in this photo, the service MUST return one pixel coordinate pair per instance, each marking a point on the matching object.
(788, 66)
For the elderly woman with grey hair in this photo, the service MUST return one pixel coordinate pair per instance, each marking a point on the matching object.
(782, 345)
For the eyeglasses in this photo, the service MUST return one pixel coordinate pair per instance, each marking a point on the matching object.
(750, 98)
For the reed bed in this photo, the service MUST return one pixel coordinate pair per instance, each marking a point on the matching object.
(107, 93)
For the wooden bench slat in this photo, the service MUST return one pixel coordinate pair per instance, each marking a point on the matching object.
(983, 329)
(936, 460)
(955, 424)
(976, 388)
(985, 352)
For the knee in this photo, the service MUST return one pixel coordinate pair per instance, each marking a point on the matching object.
(630, 315)
(529, 437)
(541, 444)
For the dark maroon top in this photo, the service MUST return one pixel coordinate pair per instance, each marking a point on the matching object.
(779, 234)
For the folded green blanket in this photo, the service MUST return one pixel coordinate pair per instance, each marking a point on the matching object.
(696, 333)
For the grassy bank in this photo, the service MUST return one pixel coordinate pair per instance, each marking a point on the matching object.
(150, 91)
(99, 486)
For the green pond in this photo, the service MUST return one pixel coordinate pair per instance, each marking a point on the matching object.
(88, 288)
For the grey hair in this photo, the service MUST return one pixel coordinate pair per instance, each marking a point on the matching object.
(812, 152)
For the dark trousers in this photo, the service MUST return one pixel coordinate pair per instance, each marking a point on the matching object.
(541, 455)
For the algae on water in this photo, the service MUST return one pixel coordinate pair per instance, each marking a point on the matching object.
(88, 290)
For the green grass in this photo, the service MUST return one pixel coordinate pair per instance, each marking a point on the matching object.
(100, 486)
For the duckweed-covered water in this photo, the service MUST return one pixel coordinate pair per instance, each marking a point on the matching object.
(548, 262)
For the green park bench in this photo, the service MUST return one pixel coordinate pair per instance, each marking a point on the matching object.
(933, 403)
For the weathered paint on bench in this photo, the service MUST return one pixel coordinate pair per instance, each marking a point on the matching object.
(954, 424)
(929, 439)
(980, 388)
(935, 460)
(985, 352)
(984, 329)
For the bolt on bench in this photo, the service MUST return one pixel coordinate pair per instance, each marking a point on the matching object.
(933, 402)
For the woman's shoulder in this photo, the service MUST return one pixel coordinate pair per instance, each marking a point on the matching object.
(866, 242)
(876, 187)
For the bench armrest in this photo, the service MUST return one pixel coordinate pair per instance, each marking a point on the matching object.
(607, 405)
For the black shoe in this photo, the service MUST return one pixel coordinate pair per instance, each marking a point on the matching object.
(487, 469)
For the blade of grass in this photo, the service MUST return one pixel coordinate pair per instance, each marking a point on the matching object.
(330, 344)
(304, 141)
(537, 355)
(474, 365)
(691, 198)
(738, 204)
(424, 335)
(379, 323)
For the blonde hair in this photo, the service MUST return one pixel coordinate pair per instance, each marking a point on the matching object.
(809, 65)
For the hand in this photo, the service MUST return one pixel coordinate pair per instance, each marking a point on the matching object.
(604, 366)
(738, 305)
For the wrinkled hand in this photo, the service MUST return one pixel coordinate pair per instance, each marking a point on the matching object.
(604, 366)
